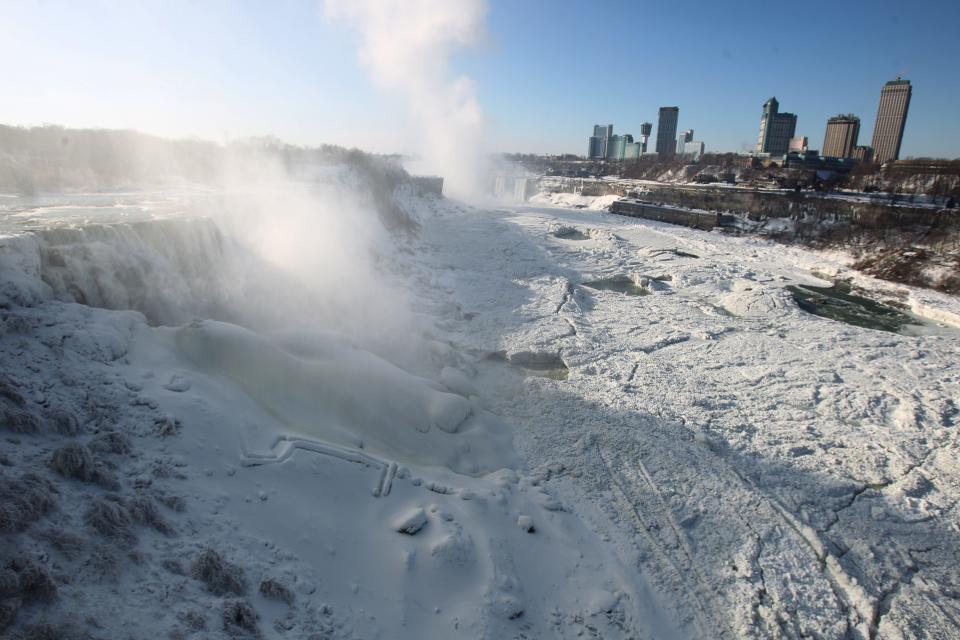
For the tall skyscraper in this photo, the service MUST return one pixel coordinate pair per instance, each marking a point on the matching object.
(667, 130)
(841, 136)
(646, 128)
(776, 129)
(891, 118)
(599, 141)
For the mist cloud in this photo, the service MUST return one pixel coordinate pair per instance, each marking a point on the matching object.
(407, 45)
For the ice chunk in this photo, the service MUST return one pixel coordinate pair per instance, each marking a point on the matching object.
(412, 522)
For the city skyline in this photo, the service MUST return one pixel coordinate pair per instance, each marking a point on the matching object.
(171, 69)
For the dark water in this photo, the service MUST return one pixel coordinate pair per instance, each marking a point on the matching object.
(620, 285)
(541, 365)
(837, 303)
(571, 234)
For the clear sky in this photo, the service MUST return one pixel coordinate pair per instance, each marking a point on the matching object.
(545, 71)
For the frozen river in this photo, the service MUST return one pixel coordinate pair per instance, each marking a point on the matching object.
(520, 422)
(774, 472)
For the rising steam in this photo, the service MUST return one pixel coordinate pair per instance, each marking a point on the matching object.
(407, 45)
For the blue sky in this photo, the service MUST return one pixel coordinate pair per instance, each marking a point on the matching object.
(545, 73)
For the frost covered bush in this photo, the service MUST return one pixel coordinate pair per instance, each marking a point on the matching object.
(9, 393)
(22, 582)
(64, 422)
(77, 461)
(35, 584)
(240, 619)
(13, 414)
(271, 588)
(115, 517)
(112, 442)
(18, 421)
(144, 511)
(219, 575)
(111, 519)
(24, 500)
(175, 503)
(73, 461)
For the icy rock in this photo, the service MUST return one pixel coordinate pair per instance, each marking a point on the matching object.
(526, 523)
(411, 523)
(177, 384)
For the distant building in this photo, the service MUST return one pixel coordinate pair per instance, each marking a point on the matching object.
(841, 136)
(691, 149)
(616, 146)
(599, 141)
(862, 154)
(685, 137)
(891, 118)
(813, 161)
(800, 144)
(776, 129)
(667, 131)
(632, 150)
(646, 129)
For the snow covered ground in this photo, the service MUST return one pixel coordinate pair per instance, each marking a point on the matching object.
(521, 456)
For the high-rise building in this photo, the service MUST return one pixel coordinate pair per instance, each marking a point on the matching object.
(862, 154)
(646, 128)
(776, 129)
(841, 136)
(667, 130)
(599, 141)
(684, 138)
(891, 118)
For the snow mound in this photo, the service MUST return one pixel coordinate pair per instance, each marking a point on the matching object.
(601, 203)
(575, 200)
(348, 396)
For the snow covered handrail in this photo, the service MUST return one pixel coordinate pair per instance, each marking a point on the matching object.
(284, 446)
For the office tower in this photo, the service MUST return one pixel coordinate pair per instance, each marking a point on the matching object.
(646, 129)
(862, 154)
(776, 129)
(841, 136)
(891, 118)
(685, 137)
(667, 130)
(599, 141)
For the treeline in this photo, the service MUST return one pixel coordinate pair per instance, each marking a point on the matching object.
(54, 159)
